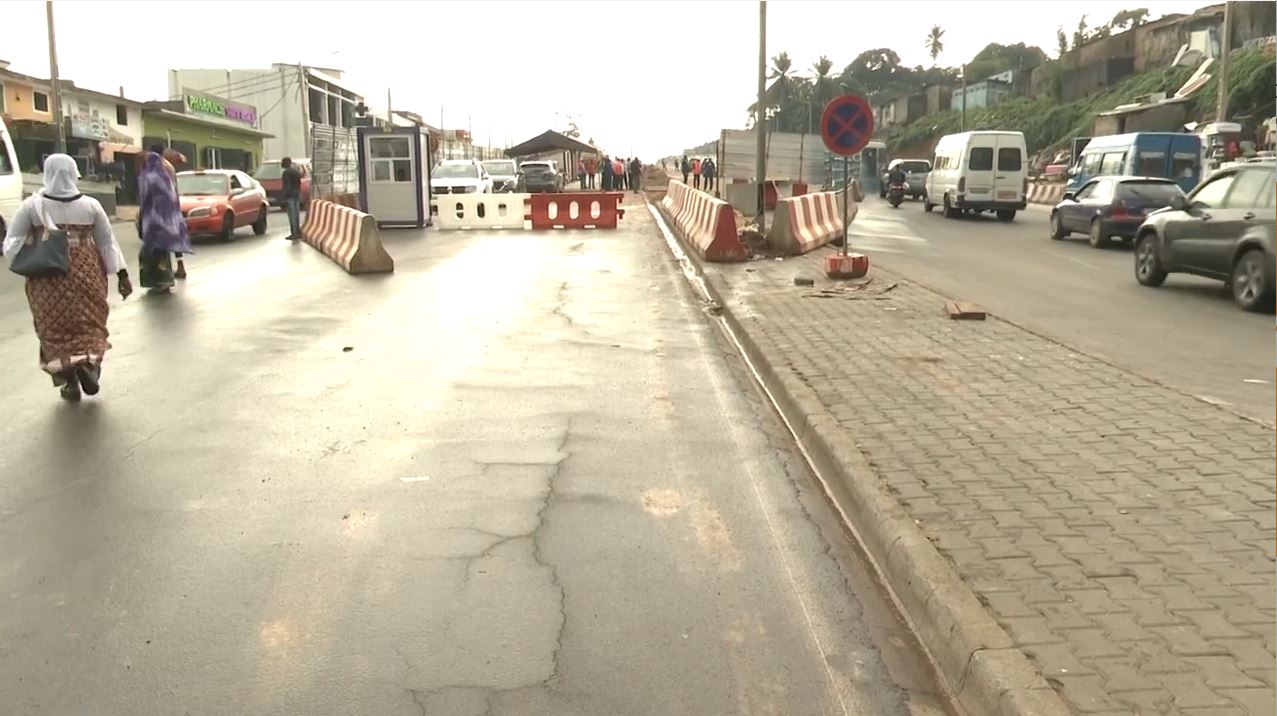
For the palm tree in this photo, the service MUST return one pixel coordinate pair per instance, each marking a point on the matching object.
(781, 95)
(935, 45)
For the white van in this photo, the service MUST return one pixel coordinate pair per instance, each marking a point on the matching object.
(10, 179)
(979, 171)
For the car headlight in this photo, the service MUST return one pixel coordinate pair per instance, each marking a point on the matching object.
(202, 211)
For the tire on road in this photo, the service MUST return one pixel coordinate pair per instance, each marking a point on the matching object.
(1249, 281)
(1098, 238)
(1006, 214)
(927, 206)
(949, 211)
(1057, 227)
(228, 227)
(259, 226)
(1148, 263)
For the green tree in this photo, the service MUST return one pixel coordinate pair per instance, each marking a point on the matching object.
(1061, 42)
(935, 45)
(995, 58)
(1128, 19)
(1079, 36)
(875, 73)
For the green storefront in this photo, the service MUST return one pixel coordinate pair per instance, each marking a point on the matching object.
(212, 133)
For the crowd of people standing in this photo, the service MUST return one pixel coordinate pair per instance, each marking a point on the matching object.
(615, 174)
(703, 172)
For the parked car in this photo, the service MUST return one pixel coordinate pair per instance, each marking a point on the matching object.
(271, 176)
(1168, 155)
(1111, 206)
(504, 173)
(460, 176)
(1223, 230)
(979, 171)
(915, 170)
(10, 179)
(218, 201)
(540, 176)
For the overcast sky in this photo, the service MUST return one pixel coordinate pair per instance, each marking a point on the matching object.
(646, 77)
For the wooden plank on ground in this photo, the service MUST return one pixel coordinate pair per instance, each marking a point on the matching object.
(964, 311)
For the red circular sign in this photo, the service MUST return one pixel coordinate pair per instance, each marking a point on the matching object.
(847, 124)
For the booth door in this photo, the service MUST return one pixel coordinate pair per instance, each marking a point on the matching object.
(392, 182)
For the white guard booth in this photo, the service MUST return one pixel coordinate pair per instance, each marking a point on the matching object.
(394, 175)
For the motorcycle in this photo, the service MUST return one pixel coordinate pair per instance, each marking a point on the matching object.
(896, 193)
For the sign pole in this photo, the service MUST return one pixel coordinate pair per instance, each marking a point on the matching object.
(846, 198)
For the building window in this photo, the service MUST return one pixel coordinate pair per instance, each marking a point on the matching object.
(41, 101)
(121, 115)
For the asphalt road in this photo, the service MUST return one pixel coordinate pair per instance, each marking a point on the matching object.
(521, 475)
(1187, 334)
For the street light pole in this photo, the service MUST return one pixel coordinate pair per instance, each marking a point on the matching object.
(760, 118)
(55, 109)
(1225, 46)
(963, 76)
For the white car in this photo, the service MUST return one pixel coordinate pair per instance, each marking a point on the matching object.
(10, 179)
(460, 176)
(504, 173)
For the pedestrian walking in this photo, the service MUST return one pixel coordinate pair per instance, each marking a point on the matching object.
(696, 173)
(171, 158)
(67, 300)
(709, 172)
(686, 166)
(580, 174)
(591, 168)
(292, 181)
(618, 171)
(160, 225)
(636, 175)
(607, 173)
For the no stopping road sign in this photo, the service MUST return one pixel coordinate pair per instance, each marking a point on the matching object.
(847, 124)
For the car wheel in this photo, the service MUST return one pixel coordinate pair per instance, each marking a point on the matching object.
(949, 211)
(1148, 264)
(228, 227)
(1249, 282)
(1057, 227)
(927, 206)
(1006, 214)
(1099, 239)
(259, 226)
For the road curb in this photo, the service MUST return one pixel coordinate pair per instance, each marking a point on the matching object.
(984, 670)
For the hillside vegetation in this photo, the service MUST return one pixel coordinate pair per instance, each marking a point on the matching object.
(1048, 124)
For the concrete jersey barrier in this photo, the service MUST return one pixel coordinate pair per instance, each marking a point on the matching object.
(1045, 193)
(807, 222)
(347, 236)
(706, 224)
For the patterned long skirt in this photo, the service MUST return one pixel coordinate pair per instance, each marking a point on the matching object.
(70, 311)
(155, 268)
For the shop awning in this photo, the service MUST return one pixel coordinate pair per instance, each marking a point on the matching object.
(548, 142)
(217, 124)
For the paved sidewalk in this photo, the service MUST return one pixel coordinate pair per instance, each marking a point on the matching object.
(1119, 531)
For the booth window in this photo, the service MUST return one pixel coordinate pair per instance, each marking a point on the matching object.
(391, 159)
(41, 101)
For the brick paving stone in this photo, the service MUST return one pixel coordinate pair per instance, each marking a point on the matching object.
(1111, 525)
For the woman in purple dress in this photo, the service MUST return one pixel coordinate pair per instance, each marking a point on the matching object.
(162, 226)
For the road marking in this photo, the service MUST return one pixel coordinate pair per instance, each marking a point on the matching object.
(1256, 381)
(1080, 261)
(422, 478)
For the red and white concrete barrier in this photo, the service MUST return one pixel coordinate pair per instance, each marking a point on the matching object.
(807, 222)
(347, 236)
(705, 223)
(1045, 193)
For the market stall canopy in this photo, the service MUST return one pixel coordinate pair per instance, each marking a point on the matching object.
(548, 142)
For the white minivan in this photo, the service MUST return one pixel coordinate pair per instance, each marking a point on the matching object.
(10, 179)
(979, 171)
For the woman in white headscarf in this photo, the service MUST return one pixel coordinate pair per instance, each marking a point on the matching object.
(70, 310)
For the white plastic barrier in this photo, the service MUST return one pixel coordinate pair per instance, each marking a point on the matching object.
(481, 211)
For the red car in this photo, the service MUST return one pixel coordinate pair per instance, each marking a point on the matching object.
(218, 201)
(271, 175)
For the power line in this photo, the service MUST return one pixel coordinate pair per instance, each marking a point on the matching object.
(249, 84)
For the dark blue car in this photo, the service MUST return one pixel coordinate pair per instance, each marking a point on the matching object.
(1107, 207)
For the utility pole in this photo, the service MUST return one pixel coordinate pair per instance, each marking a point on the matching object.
(963, 76)
(760, 117)
(1225, 44)
(55, 109)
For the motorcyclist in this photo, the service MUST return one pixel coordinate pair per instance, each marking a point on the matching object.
(896, 175)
